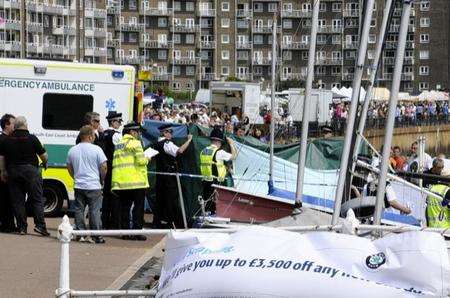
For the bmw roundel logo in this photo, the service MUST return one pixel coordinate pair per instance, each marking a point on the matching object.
(376, 260)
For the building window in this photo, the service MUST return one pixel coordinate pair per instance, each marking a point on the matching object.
(287, 24)
(190, 38)
(321, 70)
(424, 55)
(225, 38)
(373, 23)
(132, 5)
(226, 55)
(273, 7)
(336, 70)
(287, 55)
(321, 39)
(162, 22)
(176, 85)
(225, 70)
(424, 86)
(336, 6)
(225, 23)
(287, 6)
(54, 104)
(370, 54)
(322, 6)
(176, 70)
(424, 5)
(258, 39)
(336, 39)
(162, 54)
(424, 38)
(225, 6)
(258, 7)
(176, 38)
(258, 70)
(372, 38)
(190, 6)
(177, 6)
(190, 86)
(242, 55)
(424, 22)
(306, 7)
(336, 85)
(190, 70)
(424, 70)
(305, 55)
(350, 54)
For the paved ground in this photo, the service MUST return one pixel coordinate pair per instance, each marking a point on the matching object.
(29, 265)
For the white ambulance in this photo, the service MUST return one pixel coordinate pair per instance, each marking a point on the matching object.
(54, 97)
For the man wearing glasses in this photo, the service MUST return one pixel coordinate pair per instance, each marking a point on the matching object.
(93, 119)
(111, 204)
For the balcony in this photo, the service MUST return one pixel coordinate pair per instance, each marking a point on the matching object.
(112, 9)
(295, 46)
(184, 28)
(155, 11)
(10, 25)
(130, 60)
(95, 13)
(351, 45)
(243, 45)
(113, 43)
(207, 13)
(10, 4)
(407, 77)
(208, 76)
(351, 13)
(33, 6)
(9, 45)
(155, 44)
(130, 27)
(398, 12)
(207, 44)
(35, 27)
(95, 51)
(296, 13)
(329, 29)
(243, 13)
(408, 61)
(34, 47)
(262, 29)
(184, 61)
(55, 49)
(262, 61)
(242, 57)
(389, 60)
(161, 77)
(66, 30)
(244, 76)
(292, 76)
(328, 61)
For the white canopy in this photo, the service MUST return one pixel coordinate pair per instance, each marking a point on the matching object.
(433, 96)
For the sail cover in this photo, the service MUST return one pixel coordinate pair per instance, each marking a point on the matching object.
(268, 262)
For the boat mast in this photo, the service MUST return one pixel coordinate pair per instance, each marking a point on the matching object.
(272, 97)
(353, 110)
(373, 74)
(391, 112)
(306, 103)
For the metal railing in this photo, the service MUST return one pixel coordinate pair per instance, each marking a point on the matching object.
(66, 232)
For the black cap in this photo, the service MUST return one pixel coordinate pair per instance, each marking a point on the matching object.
(327, 128)
(132, 126)
(165, 127)
(216, 134)
(112, 115)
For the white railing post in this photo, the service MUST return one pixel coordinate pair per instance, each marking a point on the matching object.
(64, 235)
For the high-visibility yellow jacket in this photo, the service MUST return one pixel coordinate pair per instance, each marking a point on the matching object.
(207, 162)
(437, 215)
(129, 168)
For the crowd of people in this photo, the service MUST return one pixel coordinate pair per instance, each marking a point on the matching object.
(407, 113)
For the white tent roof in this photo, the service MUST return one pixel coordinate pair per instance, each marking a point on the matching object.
(433, 96)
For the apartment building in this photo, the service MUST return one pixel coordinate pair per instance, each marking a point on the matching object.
(187, 44)
(50, 30)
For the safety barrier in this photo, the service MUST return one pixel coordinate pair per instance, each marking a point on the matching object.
(349, 225)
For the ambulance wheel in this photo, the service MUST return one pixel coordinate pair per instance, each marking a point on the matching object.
(54, 198)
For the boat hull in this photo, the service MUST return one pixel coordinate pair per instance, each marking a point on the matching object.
(244, 207)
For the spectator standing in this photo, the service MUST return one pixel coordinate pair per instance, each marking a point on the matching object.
(86, 164)
(20, 151)
(111, 204)
(414, 158)
(130, 179)
(167, 209)
(399, 159)
(93, 119)
(7, 224)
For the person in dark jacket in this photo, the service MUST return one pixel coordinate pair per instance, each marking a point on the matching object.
(93, 119)
(20, 153)
(111, 203)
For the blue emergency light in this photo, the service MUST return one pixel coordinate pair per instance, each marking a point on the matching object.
(118, 74)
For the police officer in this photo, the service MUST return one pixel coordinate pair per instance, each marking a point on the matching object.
(129, 178)
(212, 166)
(20, 152)
(438, 212)
(167, 211)
(111, 204)
(7, 224)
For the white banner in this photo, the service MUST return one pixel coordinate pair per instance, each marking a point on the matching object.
(268, 262)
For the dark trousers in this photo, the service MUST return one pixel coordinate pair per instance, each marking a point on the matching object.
(110, 208)
(208, 196)
(127, 198)
(167, 206)
(6, 210)
(26, 179)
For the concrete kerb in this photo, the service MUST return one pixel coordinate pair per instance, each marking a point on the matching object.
(155, 251)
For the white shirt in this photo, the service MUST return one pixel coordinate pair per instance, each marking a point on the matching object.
(170, 148)
(117, 136)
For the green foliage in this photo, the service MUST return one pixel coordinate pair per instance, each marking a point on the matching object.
(184, 96)
(233, 79)
(283, 85)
